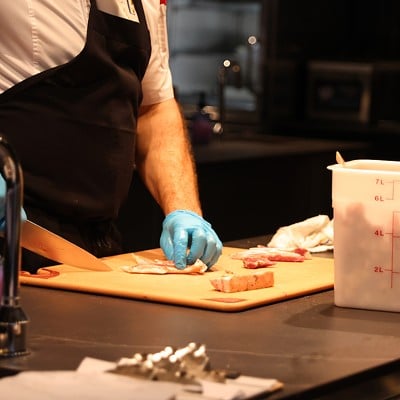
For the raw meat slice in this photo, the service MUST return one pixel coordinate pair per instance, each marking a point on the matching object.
(304, 252)
(282, 255)
(230, 283)
(257, 262)
(270, 253)
(161, 267)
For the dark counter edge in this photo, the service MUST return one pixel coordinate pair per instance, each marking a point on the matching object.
(381, 382)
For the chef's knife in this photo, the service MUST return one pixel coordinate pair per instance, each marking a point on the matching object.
(46, 243)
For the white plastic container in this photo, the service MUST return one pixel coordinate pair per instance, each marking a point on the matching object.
(366, 204)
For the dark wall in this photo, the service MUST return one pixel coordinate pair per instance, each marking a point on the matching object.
(334, 29)
(257, 196)
(354, 31)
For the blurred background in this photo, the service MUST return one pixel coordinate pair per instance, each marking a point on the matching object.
(270, 89)
(326, 68)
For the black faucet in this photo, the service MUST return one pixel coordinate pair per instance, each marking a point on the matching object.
(13, 321)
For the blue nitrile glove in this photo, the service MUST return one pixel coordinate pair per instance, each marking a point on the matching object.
(183, 230)
(2, 204)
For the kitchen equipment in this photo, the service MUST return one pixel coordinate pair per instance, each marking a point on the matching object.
(366, 203)
(13, 321)
(41, 241)
(339, 91)
(292, 279)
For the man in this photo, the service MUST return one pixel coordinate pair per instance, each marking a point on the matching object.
(87, 97)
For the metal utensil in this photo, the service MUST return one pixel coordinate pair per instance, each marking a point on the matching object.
(340, 159)
(46, 243)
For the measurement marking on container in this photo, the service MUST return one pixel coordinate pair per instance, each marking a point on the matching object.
(395, 235)
(393, 183)
(392, 188)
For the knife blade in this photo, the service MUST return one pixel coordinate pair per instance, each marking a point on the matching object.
(46, 243)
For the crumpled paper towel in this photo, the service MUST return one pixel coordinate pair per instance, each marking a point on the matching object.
(314, 234)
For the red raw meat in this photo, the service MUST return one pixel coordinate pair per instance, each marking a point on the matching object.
(252, 262)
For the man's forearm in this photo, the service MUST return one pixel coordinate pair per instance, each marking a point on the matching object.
(164, 158)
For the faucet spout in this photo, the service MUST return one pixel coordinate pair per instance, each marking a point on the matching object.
(13, 321)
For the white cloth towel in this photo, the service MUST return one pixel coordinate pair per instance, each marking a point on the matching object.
(314, 234)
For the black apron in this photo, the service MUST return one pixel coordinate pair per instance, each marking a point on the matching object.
(73, 129)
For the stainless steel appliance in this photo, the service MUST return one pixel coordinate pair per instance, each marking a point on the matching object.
(339, 91)
(366, 93)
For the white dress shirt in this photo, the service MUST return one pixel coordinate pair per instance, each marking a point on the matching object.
(36, 35)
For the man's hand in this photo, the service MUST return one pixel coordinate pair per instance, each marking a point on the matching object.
(185, 230)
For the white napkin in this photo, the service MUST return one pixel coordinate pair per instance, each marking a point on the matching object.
(67, 385)
(91, 381)
(314, 234)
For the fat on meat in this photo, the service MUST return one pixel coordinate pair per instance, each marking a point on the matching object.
(252, 262)
(230, 283)
(262, 256)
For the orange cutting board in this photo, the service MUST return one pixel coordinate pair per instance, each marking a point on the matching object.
(292, 279)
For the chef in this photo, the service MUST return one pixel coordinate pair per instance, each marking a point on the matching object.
(86, 97)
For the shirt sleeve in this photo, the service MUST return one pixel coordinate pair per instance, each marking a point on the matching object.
(157, 81)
